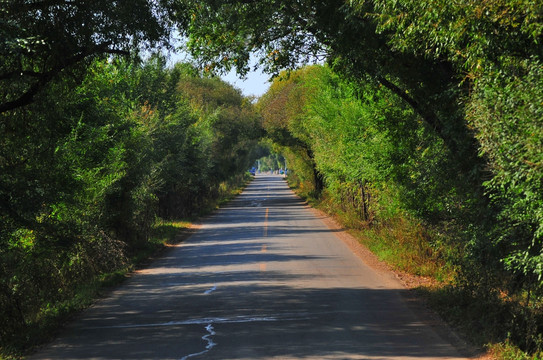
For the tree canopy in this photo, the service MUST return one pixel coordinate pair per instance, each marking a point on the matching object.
(42, 39)
(431, 108)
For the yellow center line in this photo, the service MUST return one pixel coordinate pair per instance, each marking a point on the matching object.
(266, 223)
(265, 246)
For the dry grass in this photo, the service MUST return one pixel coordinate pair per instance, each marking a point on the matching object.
(424, 263)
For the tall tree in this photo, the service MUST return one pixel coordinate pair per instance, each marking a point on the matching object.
(471, 72)
(41, 40)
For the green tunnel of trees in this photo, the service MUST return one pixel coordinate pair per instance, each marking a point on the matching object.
(427, 110)
(430, 111)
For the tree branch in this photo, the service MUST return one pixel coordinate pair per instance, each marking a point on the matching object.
(44, 78)
(429, 118)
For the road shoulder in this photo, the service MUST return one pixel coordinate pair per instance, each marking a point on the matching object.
(416, 303)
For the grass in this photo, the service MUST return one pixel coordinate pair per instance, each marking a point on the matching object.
(402, 242)
(507, 351)
(163, 234)
(500, 323)
(406, 246)
(53, 316)
(229, 190)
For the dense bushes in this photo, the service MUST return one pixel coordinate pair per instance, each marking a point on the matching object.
(361, 137)
(384, 170)
(86, 169)
(495, 50)
(506, 111)
(439, 107)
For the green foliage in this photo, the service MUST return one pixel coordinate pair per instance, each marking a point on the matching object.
(87, 167)
(224, 34)
(507, 113)
(210, 137)
(498, 44)
(361, 137)
(472, 34)
(272, 162)
(47, 40)
(508, 351)
(282, 109)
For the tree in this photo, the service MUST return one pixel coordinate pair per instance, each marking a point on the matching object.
(283, 111)
(230, 121)
(44, 40)
(496, 47)
(458, 65)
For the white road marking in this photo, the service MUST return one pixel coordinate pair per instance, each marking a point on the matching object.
(209, 291)
(210, 343)
(217, 320)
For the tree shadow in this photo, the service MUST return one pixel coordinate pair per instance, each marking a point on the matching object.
(233, 291)
(251, 319)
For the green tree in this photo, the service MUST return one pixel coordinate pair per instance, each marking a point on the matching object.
(497, 47)
(282, 108)
(44, 40)
(229, 120)
(461, 67)
(57, 170)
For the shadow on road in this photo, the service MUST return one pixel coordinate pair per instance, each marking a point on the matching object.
(232, 293)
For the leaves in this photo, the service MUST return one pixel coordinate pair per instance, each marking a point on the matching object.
(46, 40)
(86, 169)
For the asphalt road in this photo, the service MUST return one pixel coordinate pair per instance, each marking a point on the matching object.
(262, 279)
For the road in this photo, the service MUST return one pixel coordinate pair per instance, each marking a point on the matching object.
(263, 278)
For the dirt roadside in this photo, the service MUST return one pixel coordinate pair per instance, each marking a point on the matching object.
(410, 282)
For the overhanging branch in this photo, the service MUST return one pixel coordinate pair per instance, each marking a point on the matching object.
(429, 118)
(44, 78)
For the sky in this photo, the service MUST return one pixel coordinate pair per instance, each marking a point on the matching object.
(255, 84)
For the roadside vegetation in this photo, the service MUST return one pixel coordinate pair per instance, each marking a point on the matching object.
(96, 176)
(361, 154)
(422, 128)
(425, 129)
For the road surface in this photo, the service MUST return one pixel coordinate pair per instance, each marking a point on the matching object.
(263, 278)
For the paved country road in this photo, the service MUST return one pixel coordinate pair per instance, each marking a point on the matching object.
(262, 279)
